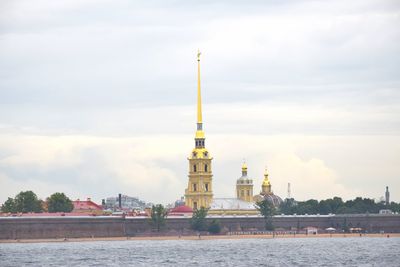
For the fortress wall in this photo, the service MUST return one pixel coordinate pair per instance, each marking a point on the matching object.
(70, 227)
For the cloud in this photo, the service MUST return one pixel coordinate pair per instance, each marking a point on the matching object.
(96, 96)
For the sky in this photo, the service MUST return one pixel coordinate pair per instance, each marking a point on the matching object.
(99, 97)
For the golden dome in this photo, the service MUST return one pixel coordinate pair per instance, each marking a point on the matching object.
(244, 166)
(266, 181)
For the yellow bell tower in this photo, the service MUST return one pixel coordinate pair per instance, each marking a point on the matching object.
(244, 186)
(199, 191)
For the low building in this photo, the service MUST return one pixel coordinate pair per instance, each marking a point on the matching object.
(182, 210)
(232, 206)
(86, 206)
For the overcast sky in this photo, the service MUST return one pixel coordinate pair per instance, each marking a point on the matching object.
(99, 97)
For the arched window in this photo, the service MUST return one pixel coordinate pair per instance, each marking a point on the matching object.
(194, 187)
(195, 168)
(206, 168)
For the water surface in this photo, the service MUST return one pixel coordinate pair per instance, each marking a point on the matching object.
(363, 251)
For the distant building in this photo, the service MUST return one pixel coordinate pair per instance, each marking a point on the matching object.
(124, 202)
(86, 206)
(181, 211)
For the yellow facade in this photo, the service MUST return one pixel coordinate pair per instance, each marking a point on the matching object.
(199, 190)
(244, 186)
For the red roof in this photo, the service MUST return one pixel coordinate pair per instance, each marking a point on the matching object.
(182, 209)
(86, 205)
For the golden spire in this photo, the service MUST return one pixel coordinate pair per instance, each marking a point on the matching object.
(199, 115)
(199, 132)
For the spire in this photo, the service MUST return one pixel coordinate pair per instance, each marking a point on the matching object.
(199, 115)
(199, 139)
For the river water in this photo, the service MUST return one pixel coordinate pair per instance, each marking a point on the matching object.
(354, 251)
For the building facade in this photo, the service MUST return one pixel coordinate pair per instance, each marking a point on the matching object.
(199, 190)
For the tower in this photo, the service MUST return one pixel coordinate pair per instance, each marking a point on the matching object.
(387, 195)
(289, 194)
(199, 190)
(244, 186)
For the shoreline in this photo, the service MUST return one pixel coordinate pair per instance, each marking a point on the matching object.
(196, 237)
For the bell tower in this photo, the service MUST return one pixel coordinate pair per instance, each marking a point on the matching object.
(244, 186)
(199, 190)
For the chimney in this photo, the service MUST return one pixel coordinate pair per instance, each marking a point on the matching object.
(119, 201)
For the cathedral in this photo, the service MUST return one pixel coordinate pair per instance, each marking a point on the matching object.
(199, 191)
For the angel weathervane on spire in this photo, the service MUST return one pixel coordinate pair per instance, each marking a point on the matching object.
(198, 55)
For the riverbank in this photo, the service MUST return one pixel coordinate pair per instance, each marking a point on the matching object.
(205, 237)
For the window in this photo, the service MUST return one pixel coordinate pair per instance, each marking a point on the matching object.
(194, 187)
(242, 193)
(195, 205)
(206, 187)
(206, 168)
(194, 168)
(248, 192)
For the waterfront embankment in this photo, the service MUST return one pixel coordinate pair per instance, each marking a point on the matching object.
(203, 237)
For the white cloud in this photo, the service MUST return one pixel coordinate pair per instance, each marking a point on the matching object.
(95, 95)
(154, 167)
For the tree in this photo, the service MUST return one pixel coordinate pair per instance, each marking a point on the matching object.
(198, 220)
(59, 202)
(267, 210)
(214, 227)
(27, 202)
(158, 215)
(288, 206)
(9, 206)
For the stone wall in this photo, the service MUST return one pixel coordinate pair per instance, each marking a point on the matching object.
(70, 227)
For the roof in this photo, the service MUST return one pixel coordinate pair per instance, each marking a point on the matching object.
(231, 204)
(182, 209)
(86, 205)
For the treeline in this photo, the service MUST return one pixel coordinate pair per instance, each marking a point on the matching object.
(27, 201)
(335, 206)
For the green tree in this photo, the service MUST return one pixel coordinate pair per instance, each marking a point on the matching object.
(214, 227)
(27, 202)
(158, 216)
(198, 220)
(59, 202)
(288, 206)
(267, 210)
(9, 206)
